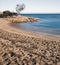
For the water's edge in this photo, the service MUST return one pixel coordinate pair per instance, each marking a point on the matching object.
(49, 24)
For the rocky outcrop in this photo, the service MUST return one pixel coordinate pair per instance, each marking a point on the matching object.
(18, 19)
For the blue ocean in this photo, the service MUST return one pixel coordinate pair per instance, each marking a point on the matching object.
(48, 24)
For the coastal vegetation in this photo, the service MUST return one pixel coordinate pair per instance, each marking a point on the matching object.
(7, 13)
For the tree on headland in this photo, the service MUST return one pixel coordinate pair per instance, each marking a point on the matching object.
(7, 13)
(19, 8)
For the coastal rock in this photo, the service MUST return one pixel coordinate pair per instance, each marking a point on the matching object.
(18, 19)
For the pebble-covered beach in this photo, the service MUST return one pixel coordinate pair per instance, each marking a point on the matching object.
(20, 50)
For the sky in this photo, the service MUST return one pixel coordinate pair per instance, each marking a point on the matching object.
(32, 6)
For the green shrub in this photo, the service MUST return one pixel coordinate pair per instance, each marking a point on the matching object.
(7, 13)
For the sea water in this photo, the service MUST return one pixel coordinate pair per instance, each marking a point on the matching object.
(48, 24)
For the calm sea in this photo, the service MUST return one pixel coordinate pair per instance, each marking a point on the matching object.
(48, 24)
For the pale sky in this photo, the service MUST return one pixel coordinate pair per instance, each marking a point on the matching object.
(32, 6)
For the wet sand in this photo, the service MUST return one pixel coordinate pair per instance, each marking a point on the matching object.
(20, 47)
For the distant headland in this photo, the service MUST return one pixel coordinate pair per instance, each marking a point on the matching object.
(14, 17)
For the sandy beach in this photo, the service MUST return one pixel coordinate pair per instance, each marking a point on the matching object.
(21, 47)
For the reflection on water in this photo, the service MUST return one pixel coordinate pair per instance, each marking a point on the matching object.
(49, 24)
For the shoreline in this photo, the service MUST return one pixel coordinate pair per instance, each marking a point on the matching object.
(24, 47)
(40, 33)
(12, 29)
